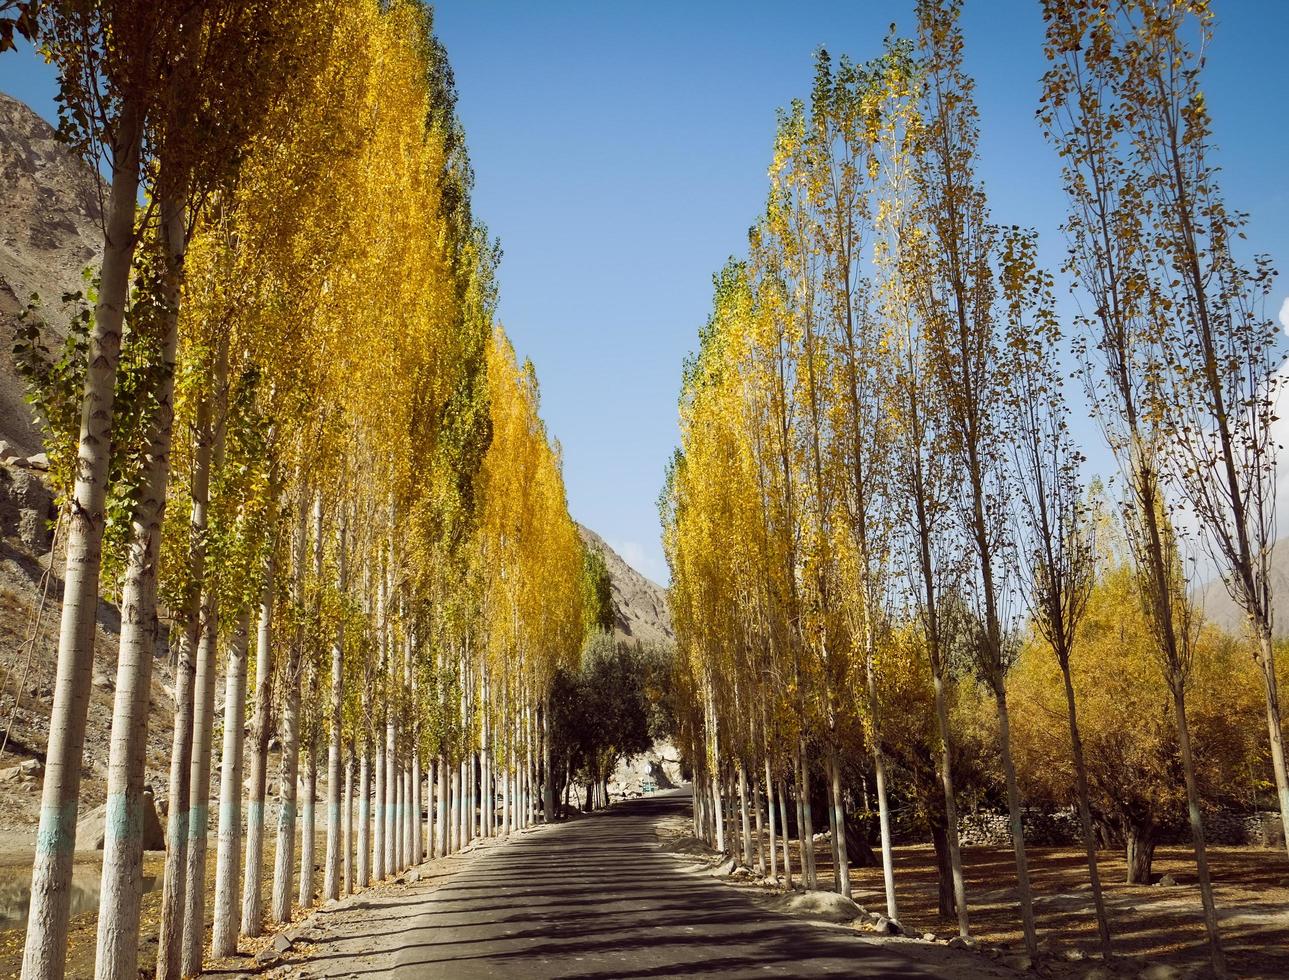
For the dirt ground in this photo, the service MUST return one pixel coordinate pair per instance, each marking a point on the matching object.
(1155, 923)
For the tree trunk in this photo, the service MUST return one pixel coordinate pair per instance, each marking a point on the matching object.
(223, 940)
(950, 802)
(839, 820)
(364, 818)
(309, 812)
(347, 839)
(807, 821)
(252, 888)
(769, 813)
(1017, 825)
(441, 818)
(944, 870)
(51, 874)
(121, 890)
(759, 827)
(1139, 836)
(743, 815)
(378, 816)
(284, 863)
(783, 820)
(194, 689)
(1085, 813)
(1267, 664)
(194, 919)
(331, 883)
(1197, 832)
(391, 795)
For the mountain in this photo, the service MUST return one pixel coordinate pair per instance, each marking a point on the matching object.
(49, 233)
(639, 605)
(1221, 610)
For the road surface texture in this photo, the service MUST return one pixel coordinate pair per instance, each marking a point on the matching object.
(595, 899)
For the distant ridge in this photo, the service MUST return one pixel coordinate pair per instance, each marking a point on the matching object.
(639, 605)
(1220, 609)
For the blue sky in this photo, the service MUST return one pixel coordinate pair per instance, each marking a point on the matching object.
(621, 150)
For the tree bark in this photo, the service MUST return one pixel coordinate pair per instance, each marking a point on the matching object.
(1140, 850)
(331, 884)
(252, 886)
(121, 890)
(364, 818)
(1216, 955)
(284, 863)
(1085, 813)
(1017, 825)
(223, 941)
(950, 801)
(51, 874)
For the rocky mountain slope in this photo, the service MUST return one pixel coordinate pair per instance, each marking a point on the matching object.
(1220, 609)
(640, 605)
(49, 234)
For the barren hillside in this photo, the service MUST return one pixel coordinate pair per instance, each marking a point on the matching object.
(49, 234)
(640, 606)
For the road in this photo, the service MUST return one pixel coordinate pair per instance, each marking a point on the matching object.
(593, 899)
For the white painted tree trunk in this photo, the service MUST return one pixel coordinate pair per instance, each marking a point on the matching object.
(760, 828)
(364, 819)
(378, 816)
(391, 796)
(308, 820)
(441, 818)
(51, 873)
(787, 837)
(252, 887)
(194, 687)
(284, 857)
(770, 824)
(347, 839)
(199, 789)
(743, 815)
(331, 885)
(121, 889)
(223, 938)
(454, 790)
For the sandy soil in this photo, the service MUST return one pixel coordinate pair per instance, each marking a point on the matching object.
(1150, 924)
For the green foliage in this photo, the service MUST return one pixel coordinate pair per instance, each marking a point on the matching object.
(597, 588)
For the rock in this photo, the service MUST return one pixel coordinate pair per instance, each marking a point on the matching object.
(888, 927)
(1099, 973)
(962, 942)
(723, 869)
(828, 906)
(26, 509)
(742, 871)
(267, 955)
(1074, 955)
(39, 462)
(103, 682)
(1167, 881)
(928, 937)
(413, 874)
(1020, 962)
(25, 771)
(92, 827)
(1160, 971)
(281, 943)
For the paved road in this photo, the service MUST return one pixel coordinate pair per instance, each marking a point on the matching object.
(594, 899)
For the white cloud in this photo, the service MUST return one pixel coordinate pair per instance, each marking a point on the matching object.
(1284, 315)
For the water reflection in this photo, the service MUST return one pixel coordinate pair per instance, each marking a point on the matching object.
(15, 895)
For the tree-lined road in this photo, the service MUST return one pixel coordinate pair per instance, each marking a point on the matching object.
(597, 898)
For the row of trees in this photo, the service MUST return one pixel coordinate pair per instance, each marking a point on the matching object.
(291, 427)
(877, 472)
